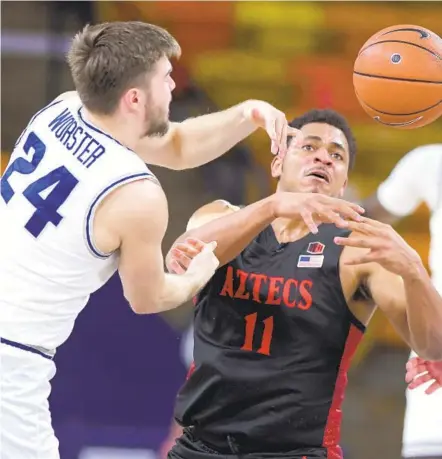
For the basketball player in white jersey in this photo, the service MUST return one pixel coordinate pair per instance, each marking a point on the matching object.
(417, 178)
(78, 202)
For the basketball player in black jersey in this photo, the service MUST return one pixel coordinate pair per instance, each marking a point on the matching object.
(278, 324)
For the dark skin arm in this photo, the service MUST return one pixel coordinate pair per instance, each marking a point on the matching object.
(399, 284)
(233, 228)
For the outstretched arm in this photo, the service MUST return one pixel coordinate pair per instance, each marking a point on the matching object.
(233, 228)
(399, 284)
(199, 140)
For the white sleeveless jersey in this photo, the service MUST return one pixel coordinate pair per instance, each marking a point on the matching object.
(418, 178)
(59, 172)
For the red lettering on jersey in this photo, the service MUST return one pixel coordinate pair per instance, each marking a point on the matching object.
(241, 292)
(258, 278)
(228, 283)
(286, 292)
(304, 290)
(274, 296)
(279, 292)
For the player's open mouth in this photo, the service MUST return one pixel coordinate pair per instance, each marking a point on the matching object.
(320, 174)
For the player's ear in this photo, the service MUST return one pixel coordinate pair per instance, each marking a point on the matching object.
(276, 166)
(133, 99)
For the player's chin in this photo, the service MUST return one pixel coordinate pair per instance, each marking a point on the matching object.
(316, 186)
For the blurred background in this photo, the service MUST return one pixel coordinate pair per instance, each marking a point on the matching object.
(118, 373)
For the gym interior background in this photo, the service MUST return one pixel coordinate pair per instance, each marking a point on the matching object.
(118, 373)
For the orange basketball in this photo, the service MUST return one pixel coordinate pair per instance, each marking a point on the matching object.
(397, 76)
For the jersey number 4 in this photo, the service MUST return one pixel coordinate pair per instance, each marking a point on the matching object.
(60, 181)
(267, 334)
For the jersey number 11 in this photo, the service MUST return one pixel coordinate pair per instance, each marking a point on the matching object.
(250, 333)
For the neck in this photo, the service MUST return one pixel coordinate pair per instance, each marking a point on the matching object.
(115, 126)
(288, 230)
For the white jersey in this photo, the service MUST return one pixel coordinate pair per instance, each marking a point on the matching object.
(417, 178)
(60, 170)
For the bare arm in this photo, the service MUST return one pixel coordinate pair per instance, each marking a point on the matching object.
(136, 218)
(199, 140)
(399, 284)
(413, 306)
(235, 228)
(387, 291)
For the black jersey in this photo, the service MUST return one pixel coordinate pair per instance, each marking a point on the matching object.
(273, 342)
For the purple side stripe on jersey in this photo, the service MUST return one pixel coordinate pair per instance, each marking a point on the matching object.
(24, 347)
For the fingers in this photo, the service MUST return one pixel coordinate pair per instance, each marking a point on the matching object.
(415, 371)
(333, 217)
(197, 243)
(363, 228)
(283, 139)
(433, 388)
(187, 249)
(416, 366)
(346, 209)
(270, 127)
(310, 223)
(297, 136)
(176, 268)
(181, 257)
(356, 207)
(419, 380)
(354, 241)
(368, 226)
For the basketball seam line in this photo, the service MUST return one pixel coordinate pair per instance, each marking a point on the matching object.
(405, 43)
(404, 114)
(411, 80)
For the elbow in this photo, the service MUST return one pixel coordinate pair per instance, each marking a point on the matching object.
(143, 305)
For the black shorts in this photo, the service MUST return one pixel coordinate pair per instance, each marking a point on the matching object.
(188, 446)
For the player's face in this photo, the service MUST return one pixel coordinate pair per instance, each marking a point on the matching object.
(319, 165)
(157, 99)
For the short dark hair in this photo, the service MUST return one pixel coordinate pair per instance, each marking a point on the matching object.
(328, 116)
(106, 59)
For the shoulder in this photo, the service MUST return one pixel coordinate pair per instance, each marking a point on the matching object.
(211, 211)
(135, 210)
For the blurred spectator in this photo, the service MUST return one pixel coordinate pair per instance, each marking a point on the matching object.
(58, 14)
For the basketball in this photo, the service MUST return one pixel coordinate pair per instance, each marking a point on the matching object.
(397, 76)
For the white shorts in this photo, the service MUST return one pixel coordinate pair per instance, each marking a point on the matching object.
(25, 420)
(422, 434)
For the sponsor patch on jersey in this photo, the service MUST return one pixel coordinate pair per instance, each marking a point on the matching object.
(310, 261)
(315, 248)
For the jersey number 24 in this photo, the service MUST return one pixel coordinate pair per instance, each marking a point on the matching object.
(60, 180)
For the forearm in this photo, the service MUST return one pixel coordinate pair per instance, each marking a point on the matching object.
(424, 313)
(233, 232)
(177, 290)
(202, 139)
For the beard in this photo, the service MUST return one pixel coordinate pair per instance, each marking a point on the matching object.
(156, 121)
